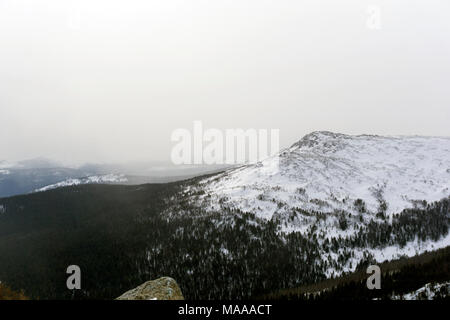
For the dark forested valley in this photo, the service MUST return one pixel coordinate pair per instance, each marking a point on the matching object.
(122, 236)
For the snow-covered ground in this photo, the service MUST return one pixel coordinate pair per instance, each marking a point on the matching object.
(326, 172)
(336, 174)
(108, 178)
(389, 253)
(427, 292)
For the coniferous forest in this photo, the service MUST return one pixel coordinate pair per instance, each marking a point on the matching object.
(122, 236)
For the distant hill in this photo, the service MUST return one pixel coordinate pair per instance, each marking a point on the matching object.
(41, 174)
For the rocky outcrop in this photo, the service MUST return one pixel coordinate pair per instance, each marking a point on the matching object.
(160, 289)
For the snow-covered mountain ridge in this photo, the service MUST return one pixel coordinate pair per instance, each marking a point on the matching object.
(353, 198)
(327, 171)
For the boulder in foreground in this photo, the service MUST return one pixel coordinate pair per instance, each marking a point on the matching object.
(160, 289)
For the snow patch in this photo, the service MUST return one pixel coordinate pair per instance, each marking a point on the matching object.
(329, 172)
(108, 178)
(427, 292)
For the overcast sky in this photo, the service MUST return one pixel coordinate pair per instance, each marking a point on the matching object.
(109, 81)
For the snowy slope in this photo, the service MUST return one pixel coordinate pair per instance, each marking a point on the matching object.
(326, 171)
(330, 186)
(108, 178)
(427, 292)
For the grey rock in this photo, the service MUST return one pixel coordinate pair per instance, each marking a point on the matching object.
(160, 289)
